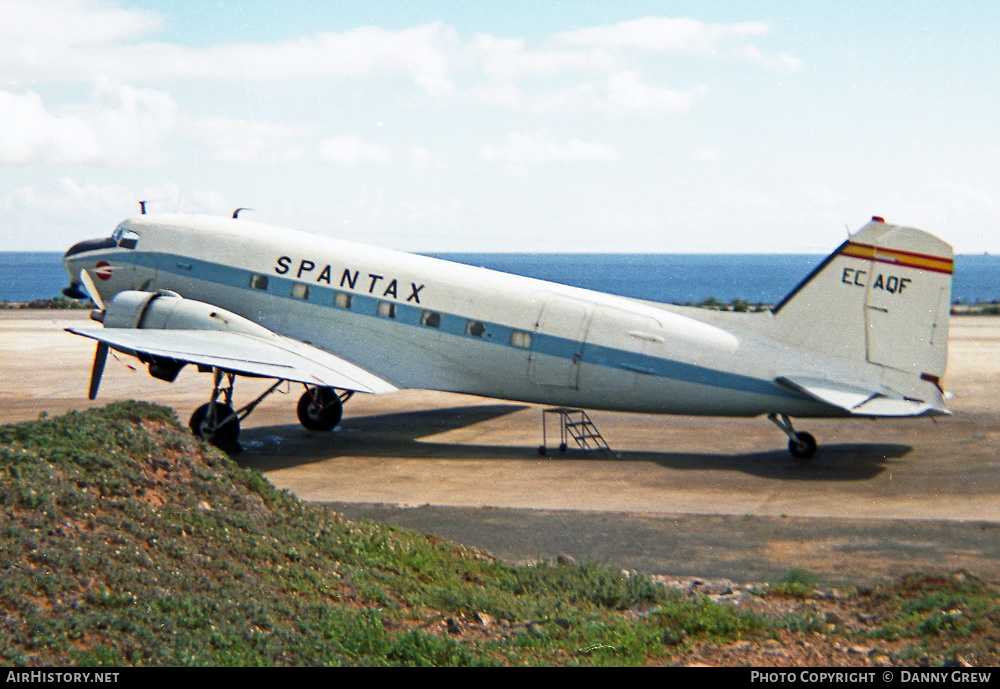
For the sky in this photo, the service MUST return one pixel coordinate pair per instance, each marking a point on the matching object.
(541, 126)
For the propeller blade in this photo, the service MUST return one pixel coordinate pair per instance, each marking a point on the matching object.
(100, 356)
(91, 289)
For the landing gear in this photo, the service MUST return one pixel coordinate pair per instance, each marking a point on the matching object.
(320, 409)
(217, 422)
(802, 445)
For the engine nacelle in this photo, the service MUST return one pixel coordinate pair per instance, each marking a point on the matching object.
(166, 310)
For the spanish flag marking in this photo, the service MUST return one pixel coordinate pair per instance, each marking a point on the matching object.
(906, 259)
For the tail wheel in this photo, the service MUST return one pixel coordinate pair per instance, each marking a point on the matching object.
(803, 446)
(205, 422)
(320, 409)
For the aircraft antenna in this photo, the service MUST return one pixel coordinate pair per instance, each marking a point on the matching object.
(142, 207)
(236, 213)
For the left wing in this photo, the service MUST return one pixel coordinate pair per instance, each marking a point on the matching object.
(861, 401)
(274, 357)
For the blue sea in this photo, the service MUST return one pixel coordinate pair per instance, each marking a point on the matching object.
(668, 278)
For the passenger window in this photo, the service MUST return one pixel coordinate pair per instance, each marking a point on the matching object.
(474, 328)
(520, 338)
(258, 281)
(300, 291)
(387, 309)
(432, 319)
(342, 300)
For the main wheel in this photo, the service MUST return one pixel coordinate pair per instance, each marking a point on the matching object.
(320, 409)
(804, 447)
(223, 435)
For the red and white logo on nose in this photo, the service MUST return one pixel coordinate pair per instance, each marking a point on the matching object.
(103, 270)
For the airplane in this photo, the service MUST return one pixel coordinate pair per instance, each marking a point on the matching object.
(864, 335)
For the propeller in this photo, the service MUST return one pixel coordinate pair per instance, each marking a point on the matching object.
(91, 289)
(100, 357)
(101, 354)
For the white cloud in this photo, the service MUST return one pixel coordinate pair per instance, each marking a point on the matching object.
(511, 58)
(61, 213)
(119, 127)
(625, 92)
(29, 133)
(32, 28)
(621, 93)
(68, 197)
(663, 34)
(422, 158)
(782, 62)
(43, 40)
(74, 40)
(233, 140)
(707, 155)
(682, 36)
(367, 52)
(352, 150)
(540, 148)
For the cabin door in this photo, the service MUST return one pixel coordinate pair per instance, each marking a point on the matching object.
(557, 343)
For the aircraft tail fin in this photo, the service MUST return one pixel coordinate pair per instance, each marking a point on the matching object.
(884, 296)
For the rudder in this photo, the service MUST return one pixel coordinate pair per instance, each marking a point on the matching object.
(884, 296)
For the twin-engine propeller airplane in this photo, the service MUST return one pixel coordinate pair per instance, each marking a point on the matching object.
(865, 335)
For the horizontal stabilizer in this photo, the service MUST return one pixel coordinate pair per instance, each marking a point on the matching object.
(277, 357)
(860, 401)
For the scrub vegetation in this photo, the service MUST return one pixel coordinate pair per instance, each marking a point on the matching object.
(124, 541)
(55, 303)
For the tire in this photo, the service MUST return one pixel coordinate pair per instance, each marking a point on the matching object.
(320, 409)
(804, 447)
(222, 436)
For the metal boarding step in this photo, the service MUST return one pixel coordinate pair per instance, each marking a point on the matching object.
(575, 424)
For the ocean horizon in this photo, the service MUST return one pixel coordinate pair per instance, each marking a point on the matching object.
(666, 278)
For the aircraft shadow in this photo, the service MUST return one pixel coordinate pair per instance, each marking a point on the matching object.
(269, 448)
(834, 462)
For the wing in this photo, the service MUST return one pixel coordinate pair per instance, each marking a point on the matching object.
(861, 401)
(275, 357)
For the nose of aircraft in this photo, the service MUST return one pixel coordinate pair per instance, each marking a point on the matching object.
(75, 291)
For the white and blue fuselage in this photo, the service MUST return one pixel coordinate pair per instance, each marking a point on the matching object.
(420, 322)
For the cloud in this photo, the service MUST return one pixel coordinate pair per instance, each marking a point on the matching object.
(680, 36)
(119, 127)
(34, 27)
(540, 148)
(662, 34)
(625, 91)
(74, 40)
(67, 210)
(233, 140)
(621, 93)
(63, 40)
(419, 53)
(707, 155)
(31, 134)
(351, 150)
(511, 58)
(422, 158)
(67, 196)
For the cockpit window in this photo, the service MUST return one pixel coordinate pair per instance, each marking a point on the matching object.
(127, 239)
